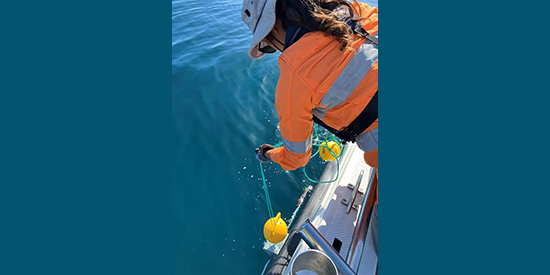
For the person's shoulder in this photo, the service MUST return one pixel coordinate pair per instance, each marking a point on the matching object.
(369, 15)
(305, 50)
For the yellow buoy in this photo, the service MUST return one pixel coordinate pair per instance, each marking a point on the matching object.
(275, 229)
(325, 152)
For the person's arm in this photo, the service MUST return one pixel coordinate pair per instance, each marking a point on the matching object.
(293, 101)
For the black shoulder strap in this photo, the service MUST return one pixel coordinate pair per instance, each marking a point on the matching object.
(357, 28)
(339, 134)
(365, 119)
(360, 124)
(372, 39)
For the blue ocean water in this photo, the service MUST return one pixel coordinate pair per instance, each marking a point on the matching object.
(223, 108)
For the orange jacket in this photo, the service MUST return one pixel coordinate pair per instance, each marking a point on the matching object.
(308, 69)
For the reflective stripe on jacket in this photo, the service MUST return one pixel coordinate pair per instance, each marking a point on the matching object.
(314, 79)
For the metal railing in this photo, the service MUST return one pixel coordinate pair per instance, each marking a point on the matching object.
(361, 229)
(315, 240)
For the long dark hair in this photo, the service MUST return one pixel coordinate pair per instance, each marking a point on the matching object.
(317, 15)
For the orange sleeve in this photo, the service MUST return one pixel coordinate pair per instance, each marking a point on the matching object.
(293, 101)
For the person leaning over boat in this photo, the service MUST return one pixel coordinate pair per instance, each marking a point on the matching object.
(328, 70)
(328, 74)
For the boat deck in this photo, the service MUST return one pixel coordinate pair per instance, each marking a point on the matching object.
(327, 212)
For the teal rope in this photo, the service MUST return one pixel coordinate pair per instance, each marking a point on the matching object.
(316, 138)
(331, 137)
(337, 166)
(267, 198)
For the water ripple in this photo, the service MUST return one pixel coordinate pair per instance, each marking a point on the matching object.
(222, 108)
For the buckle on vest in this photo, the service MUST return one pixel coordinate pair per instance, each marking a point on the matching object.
(350, 134)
